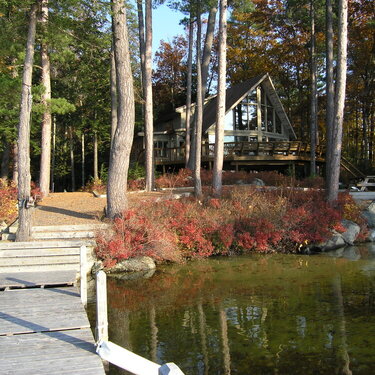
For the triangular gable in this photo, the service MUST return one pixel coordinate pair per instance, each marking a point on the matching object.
(235, 94)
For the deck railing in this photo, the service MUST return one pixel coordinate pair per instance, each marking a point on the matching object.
(240, 149)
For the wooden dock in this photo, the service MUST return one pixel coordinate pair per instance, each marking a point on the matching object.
(44, 330)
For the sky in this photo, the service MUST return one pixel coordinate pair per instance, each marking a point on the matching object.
(165, 25)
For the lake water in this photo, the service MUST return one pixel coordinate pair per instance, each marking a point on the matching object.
(248, 315)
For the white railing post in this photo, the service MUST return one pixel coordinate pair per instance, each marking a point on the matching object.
(101, 307)
(83, 274)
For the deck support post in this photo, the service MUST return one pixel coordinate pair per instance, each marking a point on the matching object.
(101, 331)
(83, 274)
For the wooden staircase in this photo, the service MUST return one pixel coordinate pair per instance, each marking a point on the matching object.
(352, 169)
(55, 248)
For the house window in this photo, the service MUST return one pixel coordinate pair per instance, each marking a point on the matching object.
(246, 113)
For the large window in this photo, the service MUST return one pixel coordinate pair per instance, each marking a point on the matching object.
(246, 114)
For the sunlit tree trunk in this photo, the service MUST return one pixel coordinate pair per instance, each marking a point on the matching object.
(123, 138)
(205, 63)
(220, 111)
(45, 158)
(314, 96)
(149, 128)
(72, 166)
(207, 49)
(96, 163)
(15, 163)
(330, 90)
(24, 213)
(113, 95)
(83, 157)
(188, 91)
(199, 117)
(334, 167)
(52, 183)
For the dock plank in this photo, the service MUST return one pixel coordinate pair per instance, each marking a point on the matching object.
(68, 352)
(41, 310)
(35, 279)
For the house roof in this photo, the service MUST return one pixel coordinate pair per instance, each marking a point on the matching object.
(236, 93)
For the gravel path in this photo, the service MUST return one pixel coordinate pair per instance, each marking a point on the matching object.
(80, 208)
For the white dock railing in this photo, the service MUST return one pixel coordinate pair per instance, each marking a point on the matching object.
(115, 354)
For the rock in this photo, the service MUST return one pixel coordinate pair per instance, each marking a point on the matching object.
(133, 275)
(335, 242)
(371, 235)
(137, 264)
(369, 215)
(258, 182)
(351, 233)
(134, 265)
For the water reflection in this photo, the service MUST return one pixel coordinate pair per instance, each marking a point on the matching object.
(272, 314)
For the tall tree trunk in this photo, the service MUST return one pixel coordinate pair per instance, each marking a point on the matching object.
(52, 183)
(96, 164)
(208, 47)
(72, 167)
(123, 138)
(5, 160)
(330, 90)
(142, 40)
(205, 63)
(83, 158)
(188, 90)
(198, 115)
(24, 213)
(149, 127)
(15, 163)
(113, 94)
(221, 96)
(339, 101)
(314, 96)
(45, 158)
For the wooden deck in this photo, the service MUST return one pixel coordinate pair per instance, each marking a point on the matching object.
(44, 330)
(246, 153)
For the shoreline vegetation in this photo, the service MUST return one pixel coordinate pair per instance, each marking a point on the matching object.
(261, 212)
(280, 217)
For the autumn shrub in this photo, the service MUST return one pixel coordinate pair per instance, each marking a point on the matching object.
(245, 219)
(135, 235)
(351, 211)
(96, 184)
(8, 201)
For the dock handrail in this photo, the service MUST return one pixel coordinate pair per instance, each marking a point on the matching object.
(115, 354)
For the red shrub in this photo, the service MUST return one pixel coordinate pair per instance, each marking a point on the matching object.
(244, 219)
(8, 202)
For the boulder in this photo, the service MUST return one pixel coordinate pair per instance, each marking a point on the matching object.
(258, 182)
(333, 243)
(369, 215)
(371, 235)
(137, 264)
(351, 233)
